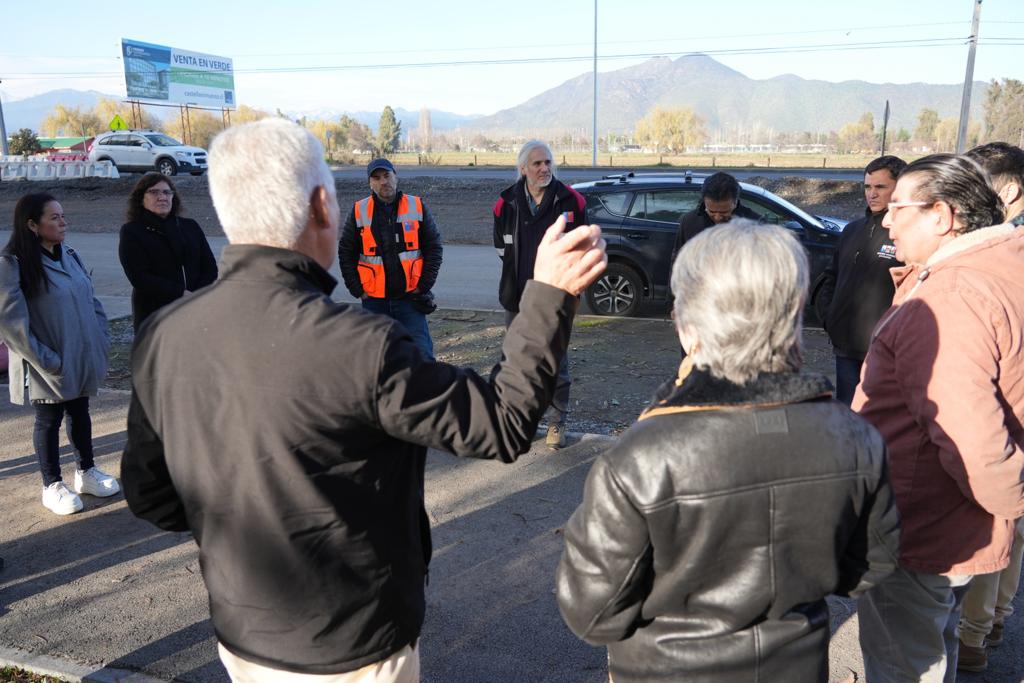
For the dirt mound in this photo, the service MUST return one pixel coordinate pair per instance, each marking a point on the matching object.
(460, 206)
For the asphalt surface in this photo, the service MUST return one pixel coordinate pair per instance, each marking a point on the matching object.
(101, 595)
(468, 280)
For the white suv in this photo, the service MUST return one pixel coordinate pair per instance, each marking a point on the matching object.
(147, 150)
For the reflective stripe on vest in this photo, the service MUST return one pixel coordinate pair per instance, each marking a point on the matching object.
(371, 264)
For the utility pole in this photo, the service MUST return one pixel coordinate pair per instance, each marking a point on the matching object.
(965, 103)
(4, 150)
(593, 158)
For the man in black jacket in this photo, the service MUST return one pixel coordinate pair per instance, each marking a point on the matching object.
(719, 202)
(856, 289)
(389, 253)
(293, 447)
(521, 215)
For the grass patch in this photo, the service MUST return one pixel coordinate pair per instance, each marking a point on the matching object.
(589, 322)
(10, 674)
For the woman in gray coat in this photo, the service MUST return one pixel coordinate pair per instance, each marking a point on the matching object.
(56, 331)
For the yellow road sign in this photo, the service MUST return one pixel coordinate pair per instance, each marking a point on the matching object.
(117, 123)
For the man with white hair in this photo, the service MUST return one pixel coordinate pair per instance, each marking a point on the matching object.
(521, 215)
(298, 471)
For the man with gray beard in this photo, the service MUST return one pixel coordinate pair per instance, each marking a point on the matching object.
(521, 215)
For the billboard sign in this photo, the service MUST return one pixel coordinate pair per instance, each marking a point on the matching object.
(156, 72)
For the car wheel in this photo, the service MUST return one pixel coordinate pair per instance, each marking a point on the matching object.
(619, 291)
(167, 167)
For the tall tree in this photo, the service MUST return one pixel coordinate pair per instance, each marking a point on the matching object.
(247, 114)
(64, 121)
(389, 132)
(203, 124)
(671, 130)
(927, 121)
(106, 109)
(25, 142)
(1004, 112)
(357, 136)
(859, 136)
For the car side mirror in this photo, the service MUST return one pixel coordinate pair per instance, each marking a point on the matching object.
(146, 145)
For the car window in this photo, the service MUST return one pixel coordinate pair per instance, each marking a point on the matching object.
(162, 140)
(135, 141)
(613, 202)
(116, 140)
(663, 205)
(775, 215)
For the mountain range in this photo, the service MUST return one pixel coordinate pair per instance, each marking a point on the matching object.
(726, 99)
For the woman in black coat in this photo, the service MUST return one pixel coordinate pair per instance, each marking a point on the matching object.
(163, 254)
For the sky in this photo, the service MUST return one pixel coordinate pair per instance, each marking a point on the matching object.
(475, 57)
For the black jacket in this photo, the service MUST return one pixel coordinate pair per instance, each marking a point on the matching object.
(293, 448)
(694, 222)
(517, 232)
(856, 288)
(388, 238)
(710, 534)
(163, 258)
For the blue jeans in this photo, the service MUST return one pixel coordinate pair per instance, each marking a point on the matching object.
(847, 378)
(46, 435)
(414, 321)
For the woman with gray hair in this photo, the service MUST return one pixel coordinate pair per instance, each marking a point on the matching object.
(710, 534)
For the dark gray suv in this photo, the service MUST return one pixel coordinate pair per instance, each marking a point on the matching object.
(639, 216)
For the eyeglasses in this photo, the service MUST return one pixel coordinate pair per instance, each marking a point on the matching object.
(161, 193)
(892, 206)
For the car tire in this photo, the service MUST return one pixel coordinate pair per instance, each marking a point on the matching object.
(618, 292)
(167, 167)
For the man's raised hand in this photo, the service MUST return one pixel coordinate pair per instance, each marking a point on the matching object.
(571, 260)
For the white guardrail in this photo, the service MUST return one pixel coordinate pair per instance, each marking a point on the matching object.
(20, 168)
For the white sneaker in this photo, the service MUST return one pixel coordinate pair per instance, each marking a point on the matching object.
(95, 482)
(60, 499)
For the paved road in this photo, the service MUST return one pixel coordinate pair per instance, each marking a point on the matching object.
(101, 592)
(469, 278)
(575, 175)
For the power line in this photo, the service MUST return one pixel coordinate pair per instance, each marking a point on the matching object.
(826, 47)
(847, 29)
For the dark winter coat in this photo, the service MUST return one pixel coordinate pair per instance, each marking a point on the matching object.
(710, 534)
(164, 258)
(692, 223)
(293, 447)
(857, 287)
(389, 235)
(517, 232)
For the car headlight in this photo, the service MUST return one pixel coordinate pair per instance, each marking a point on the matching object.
(182, 155)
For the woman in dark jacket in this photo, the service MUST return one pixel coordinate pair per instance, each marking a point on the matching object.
(163, 254)
(710, 534)
(57, 334)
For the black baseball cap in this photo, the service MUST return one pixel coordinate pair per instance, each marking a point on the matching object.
(378, 164)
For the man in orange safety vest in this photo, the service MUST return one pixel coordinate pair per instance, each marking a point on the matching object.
(390, 252)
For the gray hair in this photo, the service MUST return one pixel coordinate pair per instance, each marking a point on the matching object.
(740, 287)
(262, 175)
(524, 156)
